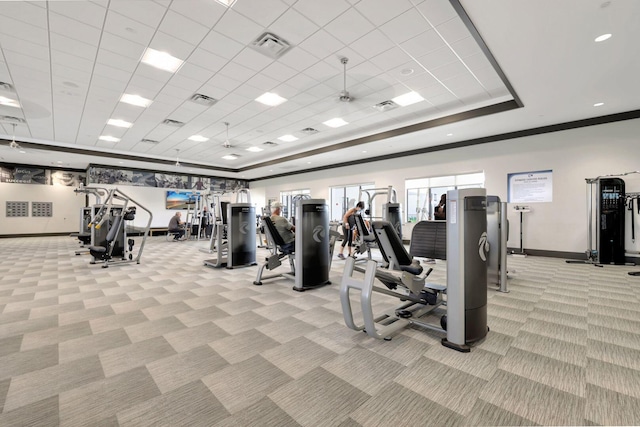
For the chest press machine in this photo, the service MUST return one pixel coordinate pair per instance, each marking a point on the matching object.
(465, 320)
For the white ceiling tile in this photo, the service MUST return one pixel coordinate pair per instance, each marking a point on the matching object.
(106, 82)
(121, 46)
(224, 82)
(153, 73)
(406, 26)
(25, 12)
(66, 74)
(321, 44)
(420, 81)
(298, 59)
(206, 59)
(183, 28)
(301, 82)
(195, 72)
(23, 46)
(321, 13)
(24, 31)
(262, 82)
(437, 11)
(449, 70)
(85, 12)
(206, 12)
(73, 62)
(175, 47)
(466, 47)
(363, 71)
(485, 74)
(74, 29)
(437, 58)
(423, 43)
(128, 28)
(117, 61)
(477, 61)
(185, 83)
(144, 87)
(445, 101)
(74, 47)
(22, 60)
(221, 45)
(112, 73)
(279, 71)
(293, 27)
(145, 12)
(252, 59)
(322, 71)
(390, 58)
(237, 72)
(264, 12)
(176, 93)
(381, 11)
(372, 44)
(239, 28)
(349, 27)
(453, 30)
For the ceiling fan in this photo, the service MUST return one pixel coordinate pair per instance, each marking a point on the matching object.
(178, 157)
(227, 143)
(13, 144)
(345, 96)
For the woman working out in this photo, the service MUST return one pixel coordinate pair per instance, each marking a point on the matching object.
(348, 226)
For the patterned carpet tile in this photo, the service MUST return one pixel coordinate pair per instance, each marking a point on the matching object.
(172, 342)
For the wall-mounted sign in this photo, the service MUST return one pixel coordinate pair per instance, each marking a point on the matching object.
(530, 187)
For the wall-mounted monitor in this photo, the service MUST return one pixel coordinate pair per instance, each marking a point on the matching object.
(179, 200)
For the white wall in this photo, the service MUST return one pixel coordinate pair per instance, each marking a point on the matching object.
(66, 209)
(573, 155)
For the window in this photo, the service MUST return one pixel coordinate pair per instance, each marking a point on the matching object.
(344, 198)
(423, 194)
(287, 200)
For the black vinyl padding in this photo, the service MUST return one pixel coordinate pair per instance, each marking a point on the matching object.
(404, 260)
(429, 240)
(277, 239)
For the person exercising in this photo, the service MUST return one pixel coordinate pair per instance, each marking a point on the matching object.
(440, 212)
(284, 228)
(348, 226)
(176, 226)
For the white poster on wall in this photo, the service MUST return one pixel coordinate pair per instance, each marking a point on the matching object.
(530, 187)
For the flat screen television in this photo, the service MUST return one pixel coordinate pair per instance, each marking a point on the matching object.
(178, 200)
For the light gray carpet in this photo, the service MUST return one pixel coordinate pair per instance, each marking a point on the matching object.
(171, 342)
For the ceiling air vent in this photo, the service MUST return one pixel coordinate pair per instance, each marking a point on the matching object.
(6, 86)
(201, 99)
(385, 106)
(149, 141)
(173, 123)
(270, 45)
(11, 119)
(309, 131)
(269, 143)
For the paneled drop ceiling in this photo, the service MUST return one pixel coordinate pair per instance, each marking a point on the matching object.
(67, 64)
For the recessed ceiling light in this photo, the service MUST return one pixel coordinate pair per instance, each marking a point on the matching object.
(308, 163)
(335, 123)
(8, 102)
(288, 138)
(364, 151)
(161, 60)
(449, 134)
(598, 104)
(407, 99)
(59, 161)
(226, 3)
(122, 163)
(119, 123)
(270, 99)
(108, 138)
(406, 71)
(602, 38)
(198, 138)
(136, 100)
(22, 152)
(230, 157)
(254, 149)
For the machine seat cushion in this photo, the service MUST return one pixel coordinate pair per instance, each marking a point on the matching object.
(98, 249)
(413, 268)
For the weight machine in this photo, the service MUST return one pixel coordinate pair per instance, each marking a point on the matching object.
(391, 209)
(606, 199)
(109, 232)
